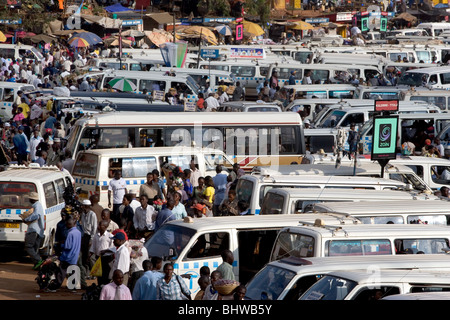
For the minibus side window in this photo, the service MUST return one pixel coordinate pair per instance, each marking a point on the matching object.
(370, 294)
(60, 186)
(151, 85)
(9, 95)
(358, 247)
(425, 246)
(445, 78)
(50, 194)
(137, 167)
(439, 219)
(356, 118)
(272, 204)
(7, 53)
(209, 245)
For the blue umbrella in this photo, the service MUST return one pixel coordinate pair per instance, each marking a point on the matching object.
(224, 30)
(90, 37)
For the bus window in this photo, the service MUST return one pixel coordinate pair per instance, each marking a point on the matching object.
(243, 71)
(445, 78)
(8, 95)
(152, 85)
(320, 76)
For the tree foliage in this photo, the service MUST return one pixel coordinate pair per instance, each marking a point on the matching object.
(259, 8)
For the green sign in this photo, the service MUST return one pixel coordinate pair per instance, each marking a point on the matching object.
(364, 24)
(384, 142)
(383, 24)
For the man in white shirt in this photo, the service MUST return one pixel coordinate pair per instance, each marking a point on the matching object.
(195, 174)
(121, 257)
(211, 103)
(223, 96)
(144, 218)
(90, 225)
(117, 188)
(101, 240)
(34, 142)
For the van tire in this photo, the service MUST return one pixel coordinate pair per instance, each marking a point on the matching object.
(48, 249)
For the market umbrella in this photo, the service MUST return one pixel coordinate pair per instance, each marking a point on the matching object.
(224, 30)
(253, 28)
(405, 16)
(205, 33)
(2, 37)
(114, 41)
(133, 33)
(302, 25)
(78, 42)
(122, 84)
(90, 37)
(158, 37)
(42, 38)
(23, 34)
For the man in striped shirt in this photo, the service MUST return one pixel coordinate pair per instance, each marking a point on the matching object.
(171, 287)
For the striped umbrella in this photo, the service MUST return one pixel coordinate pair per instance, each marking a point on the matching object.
(122, 84)
(90, 37)
(78, 42)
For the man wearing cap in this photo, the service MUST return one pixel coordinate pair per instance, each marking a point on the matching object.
(89, 224)
(121, 257)
(292, 78)
(35, 231)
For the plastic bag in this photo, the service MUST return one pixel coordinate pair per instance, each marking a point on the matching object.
(96, 270)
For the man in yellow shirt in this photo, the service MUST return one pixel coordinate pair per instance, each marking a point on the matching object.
(25, 108)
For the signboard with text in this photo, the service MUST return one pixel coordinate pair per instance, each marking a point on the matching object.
(384, 142)
(209, 53)
(254, 53)
(239, 32)
(386, 105)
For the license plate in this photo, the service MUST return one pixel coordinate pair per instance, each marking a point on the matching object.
(9, 225)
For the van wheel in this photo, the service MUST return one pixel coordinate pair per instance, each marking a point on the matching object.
(48, 249)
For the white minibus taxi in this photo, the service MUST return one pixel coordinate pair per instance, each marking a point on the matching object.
(16, 184)
(253, 188)
(8, 94)
(287, 279)
(327, 166)
(434, 29)
(361, 285)
(278, 135)
(94, 169)
(323, 91)
(299, 200)
(438, 97)
(22, 51)
(317, 239)
(344, 116)
(426, 212)
(435, 77)
(152, 81)
(249, 73)
(191, 244)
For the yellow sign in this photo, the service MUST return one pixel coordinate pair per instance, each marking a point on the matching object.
(297, 4)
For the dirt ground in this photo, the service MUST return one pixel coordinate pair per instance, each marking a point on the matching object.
(17, 280)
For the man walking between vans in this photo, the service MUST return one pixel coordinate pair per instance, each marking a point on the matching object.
(117, 188)
(35, 231)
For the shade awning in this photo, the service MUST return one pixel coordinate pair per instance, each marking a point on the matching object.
(161, 18)
(103, 21)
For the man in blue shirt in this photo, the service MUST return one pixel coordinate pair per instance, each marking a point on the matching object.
(145, 287)
(220, 186)
(70, 249)
(35, 231)
(20, 146)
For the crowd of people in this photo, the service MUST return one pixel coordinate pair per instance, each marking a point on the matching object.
(107, 243)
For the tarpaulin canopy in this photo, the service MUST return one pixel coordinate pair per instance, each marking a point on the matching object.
(118, 8)
(102, 21)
